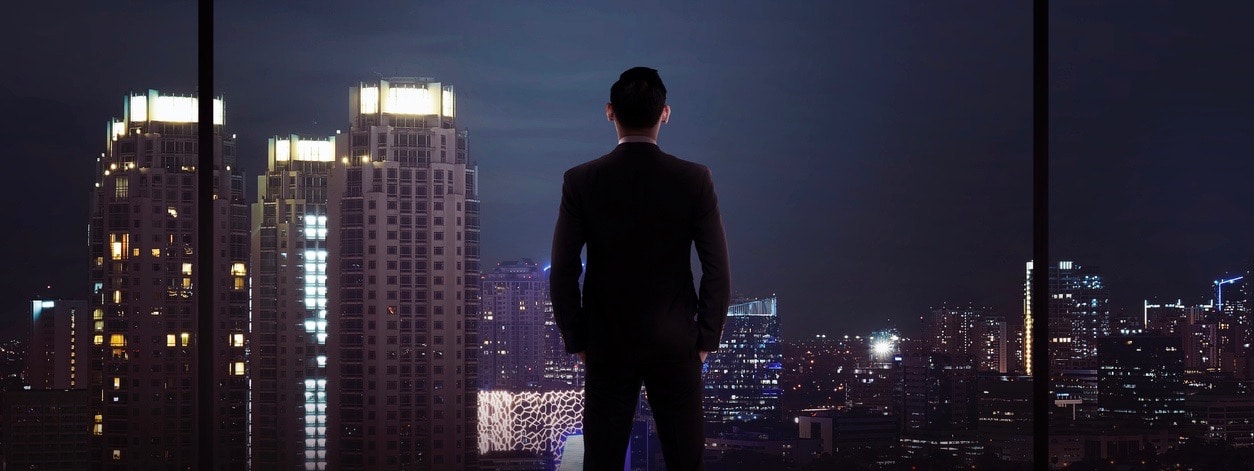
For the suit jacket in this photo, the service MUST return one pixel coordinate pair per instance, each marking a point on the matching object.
(639, 211)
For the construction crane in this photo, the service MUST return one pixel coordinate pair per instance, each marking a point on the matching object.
(1219, 291)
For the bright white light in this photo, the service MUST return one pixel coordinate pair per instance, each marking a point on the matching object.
(449, 103)
(139, 108)
(282, 150)
(315, 151)
(369, 100)
(883, 347)
(406, 100)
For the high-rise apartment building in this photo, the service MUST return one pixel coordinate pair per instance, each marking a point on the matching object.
(144, 240)
(742, 376)
(59, 356)
(1079, 313)
(514, 311)
(402, 283)
(993, 345)
(288, 351)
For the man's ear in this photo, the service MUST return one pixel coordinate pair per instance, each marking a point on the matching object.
(666, 113)
(609, 112)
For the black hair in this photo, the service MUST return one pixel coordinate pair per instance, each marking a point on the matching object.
(637, 98)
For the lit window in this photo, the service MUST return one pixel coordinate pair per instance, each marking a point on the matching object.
(117, 454)
(117, 340)
(97, 340)
(121, 185)
(187, 268)
(156, 252)
(185, 338)
(237, 368)
(117, 382)
(238, 283)
(237, 269)
(237, 340)
(169, 341)
(117, 296)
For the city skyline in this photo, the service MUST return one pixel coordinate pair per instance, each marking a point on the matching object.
(501, 79)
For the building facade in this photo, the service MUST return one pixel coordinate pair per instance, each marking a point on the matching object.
(59, 352)
(1141, 378)
(288, 354)
(742, 377)
(143, 242)
(515, 315)
(403, 283)
(46, 429)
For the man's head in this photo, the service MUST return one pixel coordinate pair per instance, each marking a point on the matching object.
(638, 102)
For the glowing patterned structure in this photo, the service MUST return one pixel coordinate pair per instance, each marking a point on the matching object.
(530, 421)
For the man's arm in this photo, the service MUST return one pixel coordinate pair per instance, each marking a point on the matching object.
(714, 294)
(568, 241)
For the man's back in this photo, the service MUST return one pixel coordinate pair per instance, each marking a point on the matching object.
(637, 320)
(639, 211)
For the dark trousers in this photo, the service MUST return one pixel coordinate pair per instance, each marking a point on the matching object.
(674, 391)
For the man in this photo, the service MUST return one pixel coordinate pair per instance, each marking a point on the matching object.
(638, 319)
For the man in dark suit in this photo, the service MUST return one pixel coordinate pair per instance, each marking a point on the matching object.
(639, 319)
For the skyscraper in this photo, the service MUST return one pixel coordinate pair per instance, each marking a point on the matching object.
(403, 283)
(742, 376)
(289, 319)
(143, 242)
(953, 329)
(59, 356)
(514, 311)
(1079, 313)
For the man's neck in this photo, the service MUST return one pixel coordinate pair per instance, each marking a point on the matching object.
(637, 138)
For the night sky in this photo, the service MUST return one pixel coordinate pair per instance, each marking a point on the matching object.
(872, 158)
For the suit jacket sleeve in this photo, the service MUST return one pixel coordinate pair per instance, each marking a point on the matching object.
(714, 295)
(568, 241)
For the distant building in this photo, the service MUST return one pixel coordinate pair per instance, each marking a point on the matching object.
(517, 330)
(1224, 414)
(1079, 313)
(936, 392)
(1141, 377)
(1005, 415)
(953, 329)
(968, 333)
(47, 429)
(849, 429)
(59, 352)
(742, 377)
(961, 444)
(818, 371)
(767, 441)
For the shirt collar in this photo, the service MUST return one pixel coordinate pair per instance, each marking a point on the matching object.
(648, 139)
